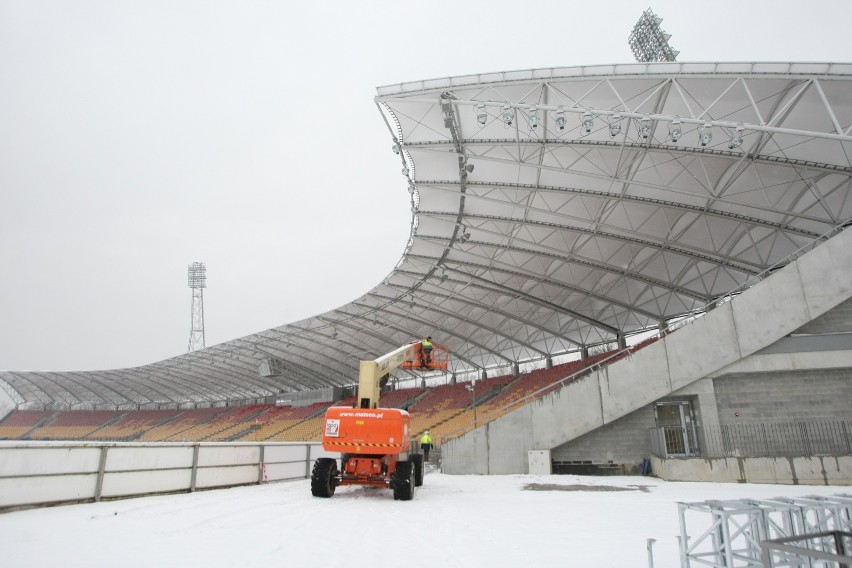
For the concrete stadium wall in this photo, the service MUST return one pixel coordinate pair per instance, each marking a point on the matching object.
(776, 396)
(624, 441)
(785, 471)
(775, 307)
(836, 320)
(44, 473)
(760, 389)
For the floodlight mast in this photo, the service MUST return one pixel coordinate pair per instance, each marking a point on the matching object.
(197, 282)
(649, 41)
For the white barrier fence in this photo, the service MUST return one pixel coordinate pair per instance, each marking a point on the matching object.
(42, 473)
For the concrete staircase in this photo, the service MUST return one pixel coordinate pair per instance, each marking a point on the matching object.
(773, 308)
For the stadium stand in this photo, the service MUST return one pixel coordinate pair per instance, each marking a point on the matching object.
(132, 425)
(74, 424)
(442, 409)
(18, 424)
(173, 430)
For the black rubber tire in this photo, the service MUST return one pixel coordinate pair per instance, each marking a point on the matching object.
(403, 481)
(417, 460)
(323, 476)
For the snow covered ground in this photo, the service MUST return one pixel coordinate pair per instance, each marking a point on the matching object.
(464, 521)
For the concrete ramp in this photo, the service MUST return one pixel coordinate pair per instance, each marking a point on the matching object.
(775, 307)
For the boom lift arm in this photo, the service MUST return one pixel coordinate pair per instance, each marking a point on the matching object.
(375, 374)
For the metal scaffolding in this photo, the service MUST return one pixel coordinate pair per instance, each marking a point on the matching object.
(732, 533)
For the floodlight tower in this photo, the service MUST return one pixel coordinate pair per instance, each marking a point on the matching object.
(198, 282)
(649, 41)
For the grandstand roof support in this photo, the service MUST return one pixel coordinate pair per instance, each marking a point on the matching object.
(572, 206)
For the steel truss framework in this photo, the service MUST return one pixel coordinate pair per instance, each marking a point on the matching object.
(730, 533)
(552, 210)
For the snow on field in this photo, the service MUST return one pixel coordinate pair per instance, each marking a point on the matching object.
(463, 521)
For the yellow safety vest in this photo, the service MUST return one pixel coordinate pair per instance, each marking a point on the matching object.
(426, 439)
(426, 343)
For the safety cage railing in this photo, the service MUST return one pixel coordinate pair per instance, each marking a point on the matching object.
(822, 438)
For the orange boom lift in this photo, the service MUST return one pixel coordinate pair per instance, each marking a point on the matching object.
(374, 443)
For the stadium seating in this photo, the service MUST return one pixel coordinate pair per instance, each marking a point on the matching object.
(74, 424)
(444, 410)
(20, 422)
(173, 431)
(132, 424)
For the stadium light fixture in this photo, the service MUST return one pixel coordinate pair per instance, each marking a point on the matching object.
(736, 138)
(675, 130)
(396, 148)
(705, 135)
(588, 122)
(508, 115)
(533, 117)
(404, 171)
(481, 115)
(645, 128)
(615, 125)
(649, 42)
(560, 118)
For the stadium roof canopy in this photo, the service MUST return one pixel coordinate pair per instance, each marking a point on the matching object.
(552, 210)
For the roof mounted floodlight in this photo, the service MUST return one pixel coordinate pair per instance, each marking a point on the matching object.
(468, 168)
(587, 121)
(533, 117)
(411, 188)
(508, 115)
(675, 130)
(645, 128)
(465, 234)
(615, 125)
(404, 171)
(396, 148)
(560, 118)
(736, 137)
(705, 135)
(481, 115)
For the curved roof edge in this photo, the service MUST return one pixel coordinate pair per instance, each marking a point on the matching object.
(622, 69)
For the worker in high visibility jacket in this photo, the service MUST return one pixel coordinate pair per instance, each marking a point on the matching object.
(426, 444)
(426, 351)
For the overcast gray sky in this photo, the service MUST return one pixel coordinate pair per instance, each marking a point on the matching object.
(138, 137)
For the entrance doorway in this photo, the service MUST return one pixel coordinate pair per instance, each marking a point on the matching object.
(676, 420)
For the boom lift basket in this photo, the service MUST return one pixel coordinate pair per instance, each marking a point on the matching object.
(438, 361)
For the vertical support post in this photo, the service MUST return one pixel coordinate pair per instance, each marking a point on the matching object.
(194, 475)
(307, 460)
(99, 486)
(260, 465)
(683, 539)
(650, 546)
(840, 547)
